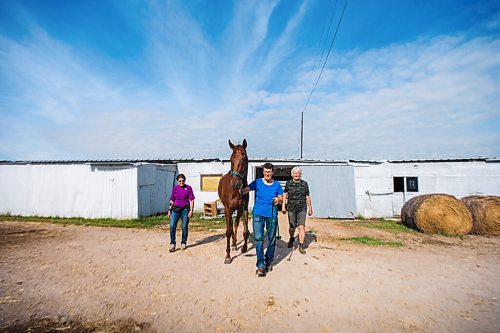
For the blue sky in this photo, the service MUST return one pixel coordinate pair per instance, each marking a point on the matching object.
(177, 79)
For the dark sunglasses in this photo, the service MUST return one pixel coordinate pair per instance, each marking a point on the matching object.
(181, 180)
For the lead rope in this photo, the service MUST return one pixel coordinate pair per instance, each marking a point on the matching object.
(245, 222)
(277, 222)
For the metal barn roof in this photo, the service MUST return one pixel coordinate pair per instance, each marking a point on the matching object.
(255, 160)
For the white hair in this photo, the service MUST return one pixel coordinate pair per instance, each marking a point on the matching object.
(296, 169)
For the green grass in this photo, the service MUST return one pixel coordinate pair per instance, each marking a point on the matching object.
(371, 241)
(384, 225)
(210, 224)
(388, 225)
(195, 223)
(146, 222)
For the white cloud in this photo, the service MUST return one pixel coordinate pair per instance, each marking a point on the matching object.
(429, 98)
(423, 99)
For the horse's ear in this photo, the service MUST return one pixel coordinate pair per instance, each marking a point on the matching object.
(230, 144)
(245, 143)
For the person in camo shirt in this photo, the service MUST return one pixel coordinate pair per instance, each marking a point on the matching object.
(297, 193)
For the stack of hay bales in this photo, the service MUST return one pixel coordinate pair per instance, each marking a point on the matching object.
(437, 213)
(485, 210)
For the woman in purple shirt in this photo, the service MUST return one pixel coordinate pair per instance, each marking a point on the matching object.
(181, 205)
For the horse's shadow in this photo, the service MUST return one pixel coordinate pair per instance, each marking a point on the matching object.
(209, 239)
(222, 236)
(234, 254)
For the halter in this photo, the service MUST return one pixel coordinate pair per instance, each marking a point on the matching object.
(234, 173)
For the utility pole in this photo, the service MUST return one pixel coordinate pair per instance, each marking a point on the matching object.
(317, 80)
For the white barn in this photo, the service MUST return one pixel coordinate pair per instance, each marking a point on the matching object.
(331, 182)
(348, 189)
(133, 188)
(120, 190)
(382, 188)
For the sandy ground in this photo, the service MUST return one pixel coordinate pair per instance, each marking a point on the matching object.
(88, 279)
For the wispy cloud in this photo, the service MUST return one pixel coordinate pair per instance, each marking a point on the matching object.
(429, 98)
(189, 92)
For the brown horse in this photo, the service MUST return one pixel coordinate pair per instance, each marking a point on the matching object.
(230, 196)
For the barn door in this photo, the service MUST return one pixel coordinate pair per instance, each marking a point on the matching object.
(332, 190)
(163, 189)
(155, 185)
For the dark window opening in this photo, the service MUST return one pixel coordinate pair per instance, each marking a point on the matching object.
(281, 173)
(399, 184)
(411, 184)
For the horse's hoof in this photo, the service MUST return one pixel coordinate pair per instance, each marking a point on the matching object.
(234, 248)
(244, 249)
(227, 260)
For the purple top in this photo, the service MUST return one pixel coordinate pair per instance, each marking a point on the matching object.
(181, 196)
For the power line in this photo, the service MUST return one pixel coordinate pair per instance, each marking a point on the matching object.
(316, 83)
(324, 34)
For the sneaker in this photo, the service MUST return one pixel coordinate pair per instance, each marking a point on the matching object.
(301, 249)
(290, 242)
(183, 246)
(261, 272)
(269, 267)
(172, 248)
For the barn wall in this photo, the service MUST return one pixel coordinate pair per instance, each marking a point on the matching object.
(332, 190)
(337, 186)
(374, 183)
(193, 172)
(83, 190)
(133, 190)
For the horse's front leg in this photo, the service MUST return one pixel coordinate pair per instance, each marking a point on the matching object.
(246, 233)
(235, 232)
(229, 231)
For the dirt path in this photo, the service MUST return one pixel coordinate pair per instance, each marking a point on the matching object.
(78, 279)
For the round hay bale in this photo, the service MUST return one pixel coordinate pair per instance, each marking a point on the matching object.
(437, 214)
(485, 211)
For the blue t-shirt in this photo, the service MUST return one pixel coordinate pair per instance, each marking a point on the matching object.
(264, 195)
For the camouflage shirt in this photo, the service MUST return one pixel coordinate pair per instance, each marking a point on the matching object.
(297, 192)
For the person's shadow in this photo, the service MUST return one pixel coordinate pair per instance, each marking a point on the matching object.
(284, 252)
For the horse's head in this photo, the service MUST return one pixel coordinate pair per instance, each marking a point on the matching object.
(239, 164)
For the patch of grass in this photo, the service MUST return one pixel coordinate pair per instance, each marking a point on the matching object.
(196, 223)
(384, 225)
(144, 222)
(365, 240)
(388, 225)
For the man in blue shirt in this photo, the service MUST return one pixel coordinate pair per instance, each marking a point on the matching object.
(268, 194)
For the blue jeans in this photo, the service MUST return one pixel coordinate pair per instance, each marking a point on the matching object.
(174, 218)
(258, 230)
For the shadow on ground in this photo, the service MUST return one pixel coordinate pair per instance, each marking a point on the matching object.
(48, 325)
